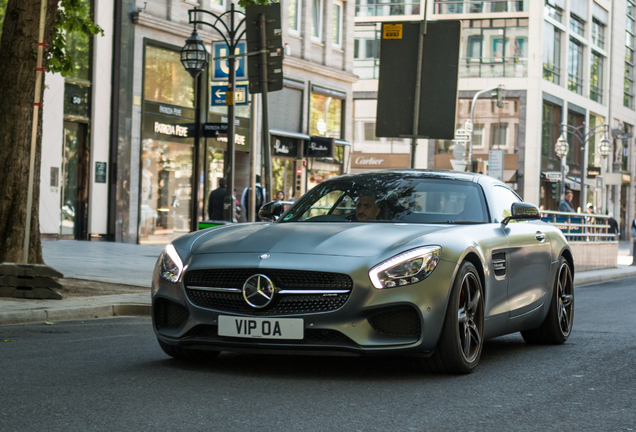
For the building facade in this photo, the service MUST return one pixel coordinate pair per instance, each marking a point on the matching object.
(561, 62)
(117, 158)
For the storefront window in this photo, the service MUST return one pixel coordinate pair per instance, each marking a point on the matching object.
(326, 116)
(166, 80)
(166, 179)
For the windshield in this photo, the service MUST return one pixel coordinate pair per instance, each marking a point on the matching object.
(394, 198)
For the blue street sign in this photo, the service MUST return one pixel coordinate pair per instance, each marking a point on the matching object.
(221, 69)
(219, 92)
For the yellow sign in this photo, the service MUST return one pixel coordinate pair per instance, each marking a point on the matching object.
(229, 98)
(392, 31)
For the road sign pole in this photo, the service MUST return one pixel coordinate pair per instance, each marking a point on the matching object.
(266, 144)
(229, 203)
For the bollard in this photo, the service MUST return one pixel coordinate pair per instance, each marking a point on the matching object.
(634, 252)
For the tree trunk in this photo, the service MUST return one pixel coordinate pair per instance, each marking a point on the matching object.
(18, 51)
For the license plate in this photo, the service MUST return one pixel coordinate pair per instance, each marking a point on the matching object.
(261, 328)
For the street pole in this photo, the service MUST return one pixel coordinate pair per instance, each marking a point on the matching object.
(562, 188)
(196, 168)
(264, 85)
(418, 86)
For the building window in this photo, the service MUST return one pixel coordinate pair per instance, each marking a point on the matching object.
(326, 116)
(294, 15)
(366, 51)
(369, 132)
(553, 11)
(478, 135)
(577, 25)
(215, 4)
(598, 33)
(552, 53)
(575, 67)
(316, 19)
(550, 129)
(498, 134)
(494, 48)
(166, 80)
(596, 77)
(628, 91)
(337, 23)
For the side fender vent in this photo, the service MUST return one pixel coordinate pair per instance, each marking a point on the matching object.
(499, 263)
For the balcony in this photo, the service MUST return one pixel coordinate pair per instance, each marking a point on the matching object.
(493, 68)
(382, 8)
(444, 7)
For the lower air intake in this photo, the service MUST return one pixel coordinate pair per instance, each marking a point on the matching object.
(396, 321)
(169, 314)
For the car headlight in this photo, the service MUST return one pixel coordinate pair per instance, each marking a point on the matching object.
(406, 268)
(170, 266)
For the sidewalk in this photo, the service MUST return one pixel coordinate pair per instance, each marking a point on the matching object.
(119, 264)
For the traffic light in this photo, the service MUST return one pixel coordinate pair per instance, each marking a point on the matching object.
(554, 192)
(500, 97)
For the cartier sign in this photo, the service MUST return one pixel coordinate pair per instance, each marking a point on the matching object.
(380, 160)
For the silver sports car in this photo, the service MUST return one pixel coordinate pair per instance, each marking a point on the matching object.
(409, 262)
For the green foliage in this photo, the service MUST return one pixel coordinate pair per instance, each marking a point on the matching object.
(244, 3)
(3, 10)
(73, 28)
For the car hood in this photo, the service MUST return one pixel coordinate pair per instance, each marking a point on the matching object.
(345, 239)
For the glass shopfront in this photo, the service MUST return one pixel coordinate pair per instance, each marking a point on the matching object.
(166, 148)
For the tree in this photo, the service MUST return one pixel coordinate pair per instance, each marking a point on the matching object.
(18, 51)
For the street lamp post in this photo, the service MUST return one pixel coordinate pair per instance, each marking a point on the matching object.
(194, 58)
(231, 35)
(561, 149)
(604, 150)
(583, 136)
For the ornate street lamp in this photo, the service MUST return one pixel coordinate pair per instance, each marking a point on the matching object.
(605, 148)
(194, 58)
(561, 149)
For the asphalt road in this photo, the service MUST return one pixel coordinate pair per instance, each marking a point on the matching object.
(110, 375)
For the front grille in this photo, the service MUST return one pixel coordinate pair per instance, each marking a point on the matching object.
(396, 321)
(283, 279)
(169, 314)
(283, 304)
(311, 337)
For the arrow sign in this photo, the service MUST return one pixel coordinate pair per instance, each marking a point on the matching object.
(219, 92)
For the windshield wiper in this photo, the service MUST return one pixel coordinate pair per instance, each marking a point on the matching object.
(464, 222)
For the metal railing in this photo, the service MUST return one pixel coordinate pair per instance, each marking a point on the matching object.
(474, 6)
(388, 8)
(477, 67)
(580, 227)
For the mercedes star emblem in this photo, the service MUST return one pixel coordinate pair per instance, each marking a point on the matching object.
(264, 256)
(258, 291)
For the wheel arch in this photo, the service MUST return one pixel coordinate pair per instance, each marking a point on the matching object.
(567, 254)
(474, 259)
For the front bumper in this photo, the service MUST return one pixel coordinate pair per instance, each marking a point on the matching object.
(401, 320)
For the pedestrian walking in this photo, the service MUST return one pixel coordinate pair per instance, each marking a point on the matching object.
(259, 199)
(613, 225)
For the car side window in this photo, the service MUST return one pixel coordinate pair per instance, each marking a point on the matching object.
(503, 198)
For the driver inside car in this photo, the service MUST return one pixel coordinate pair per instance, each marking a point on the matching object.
(367, 209)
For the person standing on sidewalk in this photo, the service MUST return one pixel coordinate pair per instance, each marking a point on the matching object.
(566, 203)
(215, 202)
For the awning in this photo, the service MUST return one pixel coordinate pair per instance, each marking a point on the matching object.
(295, 135)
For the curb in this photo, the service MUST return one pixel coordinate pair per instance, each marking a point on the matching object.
(73, 313)
(619, 273)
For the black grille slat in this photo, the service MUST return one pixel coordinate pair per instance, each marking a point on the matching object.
(169, 314)
(284, 279)
(283, 305)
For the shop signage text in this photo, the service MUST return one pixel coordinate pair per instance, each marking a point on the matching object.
(173, 130)
(320, 147)
(238, 139)
(380, 160)
(284, 146)
(169, 110)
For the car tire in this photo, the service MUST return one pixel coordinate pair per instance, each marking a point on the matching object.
(187, 353)
(460, 344)
(557, 325)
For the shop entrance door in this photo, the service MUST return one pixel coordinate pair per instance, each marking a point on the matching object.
(75, 181)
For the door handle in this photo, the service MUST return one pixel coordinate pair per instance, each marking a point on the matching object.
(540, 236)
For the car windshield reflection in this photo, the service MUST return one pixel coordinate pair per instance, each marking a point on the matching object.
(391, 198)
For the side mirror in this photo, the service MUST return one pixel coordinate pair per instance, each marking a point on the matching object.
(522, 211)
(271, 211)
